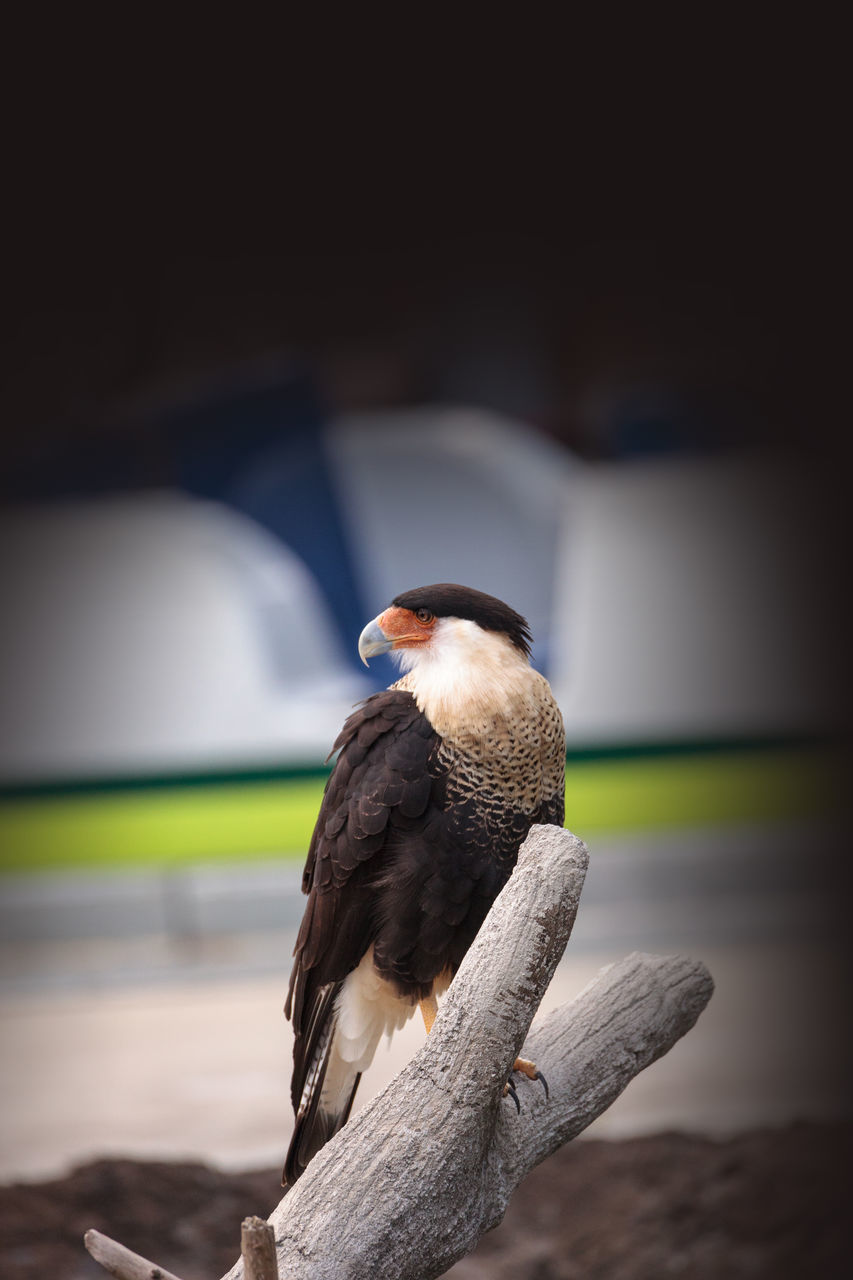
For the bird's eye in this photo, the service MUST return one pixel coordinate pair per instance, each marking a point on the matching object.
(424, 616)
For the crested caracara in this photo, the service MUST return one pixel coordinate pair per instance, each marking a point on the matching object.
(437, 782)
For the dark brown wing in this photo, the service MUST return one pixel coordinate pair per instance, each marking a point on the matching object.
(444, 871)
(386, 764)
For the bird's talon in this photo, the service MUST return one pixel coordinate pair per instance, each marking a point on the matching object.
(509, 1088)
(529, 1069)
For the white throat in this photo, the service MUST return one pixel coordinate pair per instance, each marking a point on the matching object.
(465, 675)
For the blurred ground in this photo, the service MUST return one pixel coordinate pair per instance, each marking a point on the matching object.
(142, 1022)
(759, 1206)
(142, 1015)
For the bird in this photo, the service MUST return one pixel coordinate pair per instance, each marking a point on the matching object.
(436, 783)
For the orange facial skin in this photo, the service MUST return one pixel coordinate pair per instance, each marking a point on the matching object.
(405, 628)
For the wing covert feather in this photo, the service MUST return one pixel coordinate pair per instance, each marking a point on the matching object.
(374, 777)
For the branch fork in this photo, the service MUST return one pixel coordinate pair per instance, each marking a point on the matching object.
(413, 1180)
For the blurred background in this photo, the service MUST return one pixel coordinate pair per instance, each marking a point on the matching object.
(219, 467)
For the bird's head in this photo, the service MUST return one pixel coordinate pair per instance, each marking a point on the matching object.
(443, 622)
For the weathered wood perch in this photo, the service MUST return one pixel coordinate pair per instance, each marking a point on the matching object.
(122, 1262)
(414, 1179)
(257, 1241)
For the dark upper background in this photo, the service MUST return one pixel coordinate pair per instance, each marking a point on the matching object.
(701, 336)
(648, 276)
(630, 242)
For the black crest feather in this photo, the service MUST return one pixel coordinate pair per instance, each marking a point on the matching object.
(449, 600)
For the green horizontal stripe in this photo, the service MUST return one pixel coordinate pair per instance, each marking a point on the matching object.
(314, 770)
(170, 826)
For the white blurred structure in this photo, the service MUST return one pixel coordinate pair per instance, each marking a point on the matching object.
(454, 495)
(154, 632)
(687, 603)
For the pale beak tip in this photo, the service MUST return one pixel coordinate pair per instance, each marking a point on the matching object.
(372, 641)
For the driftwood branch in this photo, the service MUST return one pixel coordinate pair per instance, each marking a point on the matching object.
(257, 1240)
(121, 1262)
(414, 1179)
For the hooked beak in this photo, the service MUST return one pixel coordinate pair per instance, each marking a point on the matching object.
(373, 641)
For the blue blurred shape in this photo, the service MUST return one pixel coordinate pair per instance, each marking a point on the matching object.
(261, 450)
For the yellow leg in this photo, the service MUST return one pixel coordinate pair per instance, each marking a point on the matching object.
(429, 1008)
(532, 1072)
(526, 1067)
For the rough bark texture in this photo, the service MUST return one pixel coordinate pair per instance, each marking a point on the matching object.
(415, 1178)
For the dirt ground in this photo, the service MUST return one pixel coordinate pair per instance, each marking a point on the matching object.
(765, 1204)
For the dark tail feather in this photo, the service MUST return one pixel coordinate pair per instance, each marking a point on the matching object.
(320, 1111)
(311, 1133)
